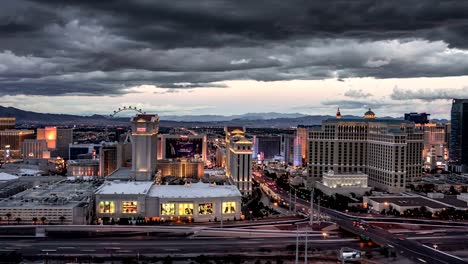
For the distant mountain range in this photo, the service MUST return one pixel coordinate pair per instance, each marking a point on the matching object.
(279, 120)
(218, 118)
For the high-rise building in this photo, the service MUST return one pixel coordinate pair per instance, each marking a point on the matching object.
(302, 133)
(435, 152)
(58, 140)
(418, 118)
(389, 151)
(48, 134)
(458, 153)
(297, 154)
(110, 158)
(239, 159)
(64, 139)
(287, 147)
(11, 142)
(34, 149)
(269, 145)
(144, 146)
(7, 123)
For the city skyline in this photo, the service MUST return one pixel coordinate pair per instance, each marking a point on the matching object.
(233, 57)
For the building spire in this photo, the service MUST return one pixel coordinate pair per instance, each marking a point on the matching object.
(338, 114)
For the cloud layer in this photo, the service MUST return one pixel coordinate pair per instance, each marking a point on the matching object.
(106, 47)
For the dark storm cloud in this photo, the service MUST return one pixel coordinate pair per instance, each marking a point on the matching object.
(428, 94)
(277, 19)
(103, 47)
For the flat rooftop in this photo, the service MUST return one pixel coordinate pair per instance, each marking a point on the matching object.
(195, 190)
(64, 194)
(121, 174)
(409, 201)
(128, 187)
(452, 200)
(7, 177)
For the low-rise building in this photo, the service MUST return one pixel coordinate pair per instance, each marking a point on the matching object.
(198, 202)
(61, 203)
(343, 183)
(83, 167)
(403, 203)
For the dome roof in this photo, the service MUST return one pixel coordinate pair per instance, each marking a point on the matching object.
(369, 114)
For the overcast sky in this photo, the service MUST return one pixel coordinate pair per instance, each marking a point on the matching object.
(231, 57)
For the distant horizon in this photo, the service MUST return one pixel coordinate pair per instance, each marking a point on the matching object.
(244, 115)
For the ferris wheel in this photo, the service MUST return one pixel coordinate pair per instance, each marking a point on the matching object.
(126, 108)
(116, 112)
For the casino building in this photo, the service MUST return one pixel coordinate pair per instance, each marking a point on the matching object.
(131, 194)
(200, 202)
(389, 151)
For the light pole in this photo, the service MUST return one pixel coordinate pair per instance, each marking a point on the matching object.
(305, 247)
(297, 245)
(318, 212)
(295, 201)
(312, 209)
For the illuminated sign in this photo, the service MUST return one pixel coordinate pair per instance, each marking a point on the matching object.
(129, 207)
(107, 207)
(183, 147)
(141, 129)
(168, 209)
(229, 207)
(186, 209)
(205, 209)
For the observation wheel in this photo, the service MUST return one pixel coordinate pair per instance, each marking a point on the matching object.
(115, 114)
(126, 108)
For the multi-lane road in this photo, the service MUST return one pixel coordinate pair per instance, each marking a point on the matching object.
(409, 248)
(161, 247)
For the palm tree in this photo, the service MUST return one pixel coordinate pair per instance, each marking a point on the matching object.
(8, 215)
(18, 220)
(62, 219)
(35, 220)
(43, 219)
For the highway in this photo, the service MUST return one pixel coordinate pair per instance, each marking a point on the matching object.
(151, 246)
(409, 248)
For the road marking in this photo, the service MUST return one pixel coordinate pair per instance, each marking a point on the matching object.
(422, 260)
(442, 252)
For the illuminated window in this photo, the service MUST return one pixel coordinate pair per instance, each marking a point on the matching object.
(129, 207)
(168, 209)
(107, 207)
(205, 209)
(186, 209)
(229, 207)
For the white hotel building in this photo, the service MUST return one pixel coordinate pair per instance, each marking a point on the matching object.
(388, 151)
(200, 202)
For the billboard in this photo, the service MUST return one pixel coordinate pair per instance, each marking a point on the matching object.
(183, 147)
